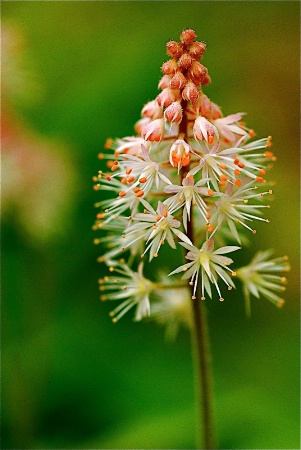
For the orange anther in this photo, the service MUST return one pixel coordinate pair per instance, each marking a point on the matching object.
(128, 171)
(223, 177)
(210, 192)
(130, 179)
(208, 216)
(143, 180)
(108, 143)
(191, 177)
(100, 216)
(158, 218)
(136, 190)
(223, 166)
(268, 154)
(108, 178)
(122, 193)
(110, 164)
(237, 172)
(140, 193)
(262, 172)
(236, 161)
(185, 161)
(221, 183)
(251, 133)
(165, 214)
(123, 180)
(260, 180)
(241, 165)
(114, 167)
(210, 139)
(238, 183)
(100, 155)
(210, 228)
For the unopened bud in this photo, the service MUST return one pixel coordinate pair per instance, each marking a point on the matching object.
(203, 130)
(164, 82)
(190, 92)
(174, 49)
(180, 153)
(141, 123)
(174, 112)
(153, 131)
(152, 110)
(215, 111)
(185, 61)
(178, 81)
(168, 96)
(197, 49)
(206, 80)
(169, 67)
(197, 72)
(188, 36)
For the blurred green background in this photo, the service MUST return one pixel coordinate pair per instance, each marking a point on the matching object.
(75, 73)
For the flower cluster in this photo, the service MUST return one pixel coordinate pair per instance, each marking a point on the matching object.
(188, 178)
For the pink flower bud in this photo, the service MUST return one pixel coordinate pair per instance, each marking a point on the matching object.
(178, 81)
(169, 67)
(190, 92)
(215, 111)
(188, 36)
(174, 49)
(206, 80)
(174, 112)
(141, 123)
(197, 49)
(180, 154)
(164, 82)
(152, 110)
(203, 130)
(197, 72)
(204, 106)
(154, 131)
(167, 96)
(185, 61)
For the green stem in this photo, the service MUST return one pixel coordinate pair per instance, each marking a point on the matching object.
(203, 374)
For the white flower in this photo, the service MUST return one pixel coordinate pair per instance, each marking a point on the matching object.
(230, 164)
(130, 286)
(158, 227)
(260, 278)
(141, 171)
(211, 264)
(229, 129)
(129, 145)
(233, 208)
(188, 194)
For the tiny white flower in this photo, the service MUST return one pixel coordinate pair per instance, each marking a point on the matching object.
(186, 196)
(130, 286)
(212, 265)
(260, 278)
(158, 226)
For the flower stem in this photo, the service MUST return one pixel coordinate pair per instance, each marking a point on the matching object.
(203, 374)
(200, 341)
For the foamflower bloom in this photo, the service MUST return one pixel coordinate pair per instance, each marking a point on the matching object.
(158, 226)
(127, 285)
(261, 278)
(210, 263)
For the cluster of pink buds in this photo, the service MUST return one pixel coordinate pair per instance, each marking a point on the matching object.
(190, 178)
